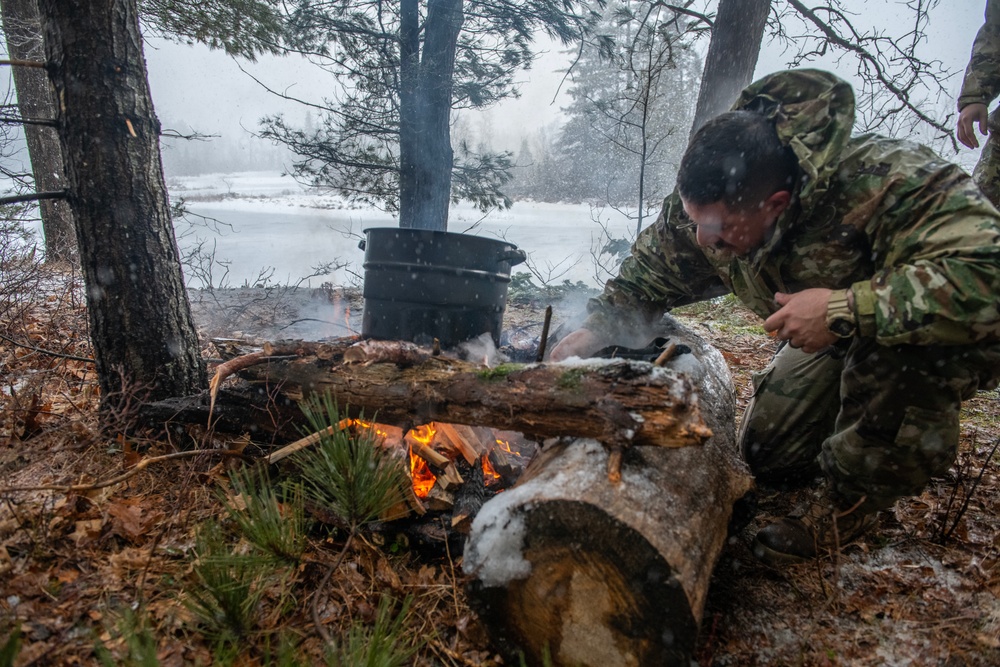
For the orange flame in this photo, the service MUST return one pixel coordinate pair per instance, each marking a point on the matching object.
(504, 445)
(420, 472)
(423, 478)
(490, 475)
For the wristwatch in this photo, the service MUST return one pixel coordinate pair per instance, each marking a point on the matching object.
(840, 316)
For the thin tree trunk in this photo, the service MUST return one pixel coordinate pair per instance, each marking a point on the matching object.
(140, 317)
(22, 25)
(732, 56)
(425, 178)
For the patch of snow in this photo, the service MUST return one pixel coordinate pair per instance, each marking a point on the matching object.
(495, 554)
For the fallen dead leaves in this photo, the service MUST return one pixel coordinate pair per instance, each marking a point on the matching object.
(910, 593)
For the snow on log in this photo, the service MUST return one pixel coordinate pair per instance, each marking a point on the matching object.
(588, 571)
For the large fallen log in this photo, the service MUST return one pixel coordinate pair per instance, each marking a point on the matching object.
(618, 401)
(572, 565)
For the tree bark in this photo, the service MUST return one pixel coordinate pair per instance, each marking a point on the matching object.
(426, 155)
(35, 101)
(732, 56)
(618, 401)
(139, 313)
(594, 572)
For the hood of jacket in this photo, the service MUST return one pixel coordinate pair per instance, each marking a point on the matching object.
(813, 113)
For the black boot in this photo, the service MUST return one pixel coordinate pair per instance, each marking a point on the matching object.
(803, 535)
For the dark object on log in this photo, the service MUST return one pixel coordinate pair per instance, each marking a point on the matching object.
(422, 284)
(599, 573)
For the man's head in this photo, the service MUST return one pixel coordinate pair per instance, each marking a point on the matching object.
(735, 179)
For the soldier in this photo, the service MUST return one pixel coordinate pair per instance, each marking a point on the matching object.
(980, 87)
(874, 259)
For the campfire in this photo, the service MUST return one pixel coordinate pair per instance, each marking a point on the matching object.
(453, 467)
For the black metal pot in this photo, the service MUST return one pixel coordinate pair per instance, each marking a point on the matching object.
(422, 284)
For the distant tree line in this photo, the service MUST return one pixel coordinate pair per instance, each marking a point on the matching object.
(228, 152)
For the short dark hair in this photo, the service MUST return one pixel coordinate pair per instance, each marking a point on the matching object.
(738, 159)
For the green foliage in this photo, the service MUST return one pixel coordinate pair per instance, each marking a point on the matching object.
(382, 645)
(571, 379)
(285, 654)
(228, 587)
(348, 474)
(499, 372)
(10, 647)
(243, 28)
(377, 53)
(273, 520)
(139, 641)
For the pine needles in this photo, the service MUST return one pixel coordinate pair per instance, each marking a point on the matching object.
(273, 520)
(229, 587)
(348, 474)
(377, 646)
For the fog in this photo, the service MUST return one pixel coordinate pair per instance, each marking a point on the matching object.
(194, 88)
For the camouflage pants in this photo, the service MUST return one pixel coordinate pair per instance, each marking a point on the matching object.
(877, 421)
(987, 172)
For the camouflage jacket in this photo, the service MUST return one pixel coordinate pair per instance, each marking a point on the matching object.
(982, 76)
(909, 232)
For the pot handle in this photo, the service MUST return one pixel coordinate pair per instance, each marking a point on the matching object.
(514, 256)
(362, 243)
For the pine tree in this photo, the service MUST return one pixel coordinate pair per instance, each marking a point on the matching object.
(633, 92)
(403, 68)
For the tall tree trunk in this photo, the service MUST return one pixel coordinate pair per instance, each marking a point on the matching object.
(409, 72)
(732, 56)
(22, 25)
(426, 156)
(140, 317)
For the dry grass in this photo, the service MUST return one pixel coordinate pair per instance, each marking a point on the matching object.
(921, 590)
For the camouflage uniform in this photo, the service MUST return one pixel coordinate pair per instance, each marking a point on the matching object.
(982, 84)
(918, 244)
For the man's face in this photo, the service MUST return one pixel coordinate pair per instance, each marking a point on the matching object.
(738, 232)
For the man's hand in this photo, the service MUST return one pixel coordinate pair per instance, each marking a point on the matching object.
(967, 118)
(802, 320)
(580, 343)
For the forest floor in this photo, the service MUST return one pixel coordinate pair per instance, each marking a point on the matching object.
(111, 574)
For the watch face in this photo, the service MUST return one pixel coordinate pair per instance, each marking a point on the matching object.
(842, 327)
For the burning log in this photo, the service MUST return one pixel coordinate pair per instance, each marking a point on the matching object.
(592, 572)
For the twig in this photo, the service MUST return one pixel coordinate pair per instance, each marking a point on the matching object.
(222, 371)
(48, 122)
(968, 496)
(34, 196)
(75, 488)
(48, 352)
(23, 63)
(545, 334)
(615, 464)
(666, 355)
(307, 441)
(314, 607)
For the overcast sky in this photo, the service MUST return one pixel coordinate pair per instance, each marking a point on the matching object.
(206, 90)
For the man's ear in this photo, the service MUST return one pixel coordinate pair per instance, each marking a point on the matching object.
(778, 202)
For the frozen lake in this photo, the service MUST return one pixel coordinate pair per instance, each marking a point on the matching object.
(266, 220)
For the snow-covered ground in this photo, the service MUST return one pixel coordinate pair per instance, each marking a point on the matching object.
(268, 220)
